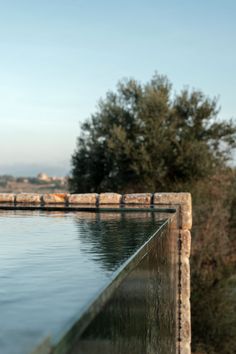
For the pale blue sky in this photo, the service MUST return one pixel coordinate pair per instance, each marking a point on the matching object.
(58, 57)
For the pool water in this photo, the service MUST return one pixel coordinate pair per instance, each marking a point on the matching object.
(53, 265)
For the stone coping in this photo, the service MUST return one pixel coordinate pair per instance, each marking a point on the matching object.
(113, 199)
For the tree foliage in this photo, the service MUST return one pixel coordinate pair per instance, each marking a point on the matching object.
(146, 138)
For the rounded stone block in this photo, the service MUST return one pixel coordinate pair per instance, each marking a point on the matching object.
(172, 198)
(7, 198)
(109, 198)
(55, 198)
(87, 198)
(137, 198)
(28, 198)
(182, 199)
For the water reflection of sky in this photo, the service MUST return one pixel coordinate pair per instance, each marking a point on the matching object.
(52, 267)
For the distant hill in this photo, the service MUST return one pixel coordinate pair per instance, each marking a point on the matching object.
(31, 170)
(40, 184)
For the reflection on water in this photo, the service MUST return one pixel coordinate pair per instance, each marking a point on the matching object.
(140, 317)
(110, 245)
(52, 266)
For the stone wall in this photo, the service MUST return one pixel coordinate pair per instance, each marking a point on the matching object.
(180, 201)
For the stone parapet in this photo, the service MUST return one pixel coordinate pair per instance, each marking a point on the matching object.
(168, 199)
(173, 200)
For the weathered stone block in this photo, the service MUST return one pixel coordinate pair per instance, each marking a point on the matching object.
(186, 215)
(55, 198)
(185, 279)
(182, 199)
(137, 198)
(185, 347)
(186, 242)
(88, 198)
(172, 198)
(185, 331)
(7, 198)
(28, 198)
(109, 198)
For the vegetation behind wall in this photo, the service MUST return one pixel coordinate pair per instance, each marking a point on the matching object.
(147, 138)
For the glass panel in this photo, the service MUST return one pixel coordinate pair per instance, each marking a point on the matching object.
(140, 317)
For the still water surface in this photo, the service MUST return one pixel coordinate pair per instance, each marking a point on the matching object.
(53, 265)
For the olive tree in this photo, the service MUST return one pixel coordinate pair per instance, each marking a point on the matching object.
(147, 138)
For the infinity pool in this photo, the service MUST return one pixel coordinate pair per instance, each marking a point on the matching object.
(54, 265)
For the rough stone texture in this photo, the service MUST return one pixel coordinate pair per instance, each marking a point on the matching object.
(186, 215)
(109, 198)
(54, 198)
(185, 278)
(140, 198)
(186, 242)
(172, 198)
(28, 198)
(185, 331)
(88, 198)
(182, 199)
(7, 198)
(185, 348)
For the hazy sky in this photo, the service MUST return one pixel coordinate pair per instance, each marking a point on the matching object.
(58, 57)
